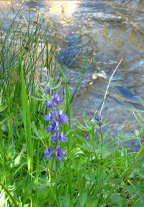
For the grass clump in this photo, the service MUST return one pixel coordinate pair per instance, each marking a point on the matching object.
(90, 172)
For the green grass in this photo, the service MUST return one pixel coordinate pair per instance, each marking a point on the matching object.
(93, 173)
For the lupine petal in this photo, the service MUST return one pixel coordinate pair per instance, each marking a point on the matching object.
(60, 153)
(62, 138)
(47, 90)
(54, 137)
(60, 101)
(60, 112)
(50, 117)
(55, 125)
(64, 120)
(47, 118)
(62, 117)
(48, 153)
(56, 99)
(49, 129)
(49, 104)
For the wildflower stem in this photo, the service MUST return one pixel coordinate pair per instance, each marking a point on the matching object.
(101, 132)
(51, 173)
(109, 85)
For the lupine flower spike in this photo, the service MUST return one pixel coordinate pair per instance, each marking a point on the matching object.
(57, 118)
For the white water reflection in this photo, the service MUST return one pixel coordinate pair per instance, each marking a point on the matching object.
(63, 8)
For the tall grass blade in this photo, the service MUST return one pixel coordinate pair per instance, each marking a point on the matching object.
(26, 120)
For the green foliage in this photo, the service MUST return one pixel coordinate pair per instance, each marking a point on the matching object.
(95, 172)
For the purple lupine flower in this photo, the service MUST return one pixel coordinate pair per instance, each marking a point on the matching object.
(47, 90)
(48, 153)
(57, 118)
(54, 137)
(49, 104)
(56, 99)
(54, 126)
(60, 153)
(62, 138)
(50, 117)
(62, 117)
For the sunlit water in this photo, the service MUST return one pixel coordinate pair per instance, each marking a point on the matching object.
(108, 31)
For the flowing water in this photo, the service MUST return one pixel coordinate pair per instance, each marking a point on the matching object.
(107, 31)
